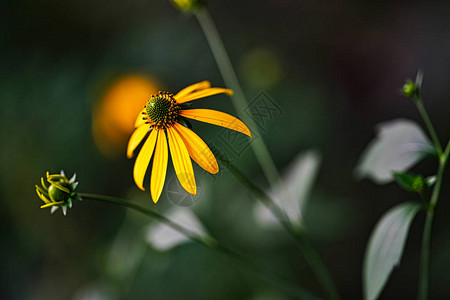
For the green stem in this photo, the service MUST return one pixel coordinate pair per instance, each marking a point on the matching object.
(259, 194)
(316, 263)
(259, 147)
(310, 254)
(426, 240)
(240, 103)
(208, 242)
(428, 124)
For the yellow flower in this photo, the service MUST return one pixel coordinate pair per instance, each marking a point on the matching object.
(164, 117)
(60, 192)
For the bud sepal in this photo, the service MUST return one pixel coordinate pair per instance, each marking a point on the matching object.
(411, 182)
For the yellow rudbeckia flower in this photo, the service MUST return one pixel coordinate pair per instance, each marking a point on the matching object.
(163, 116)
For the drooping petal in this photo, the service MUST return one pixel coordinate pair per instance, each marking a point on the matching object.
(181, 161)
(217, 118)
(204, 93)
(197, 148)
(140, 118)
(194, 87)
(52, 204)
(159, 169)
(143, 159)
(43, 183)
(41, 195)
(136, 139)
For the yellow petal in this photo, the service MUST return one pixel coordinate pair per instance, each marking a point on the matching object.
(196, 86)
(217, 118)
(140, 118)
(136, 139)
(159, 166)
(181, 161)
(41, 195)
(143, 159)
(52, 204)
(204, 93)
(198, 149)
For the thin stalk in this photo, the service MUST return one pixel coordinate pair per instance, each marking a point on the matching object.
(309, 253)
(316, 263)
(426, 240)
(428, 124)
(259, 147)
(259, 194)
(240, 103)
(208, 242)
(121, 202)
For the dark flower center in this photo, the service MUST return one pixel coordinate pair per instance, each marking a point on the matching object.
(161, 111)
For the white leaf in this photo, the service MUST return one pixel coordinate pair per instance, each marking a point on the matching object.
(398, 146)
(163, 237)
(292, 192)
(385, 247)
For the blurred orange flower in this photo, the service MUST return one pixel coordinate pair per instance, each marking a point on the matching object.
(114, 115)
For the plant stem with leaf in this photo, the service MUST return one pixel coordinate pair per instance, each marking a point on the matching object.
(426, 240)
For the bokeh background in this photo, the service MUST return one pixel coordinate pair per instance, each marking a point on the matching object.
(334, 69)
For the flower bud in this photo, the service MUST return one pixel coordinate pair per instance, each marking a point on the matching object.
(60, 192)
(188, 5)
(410, 89)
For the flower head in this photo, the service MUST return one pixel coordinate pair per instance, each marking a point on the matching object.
(59, 193)
(166, 116)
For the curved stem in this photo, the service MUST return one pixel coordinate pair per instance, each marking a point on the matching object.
(426, 240)
(191, 235)
(310, 254)
(208, 242)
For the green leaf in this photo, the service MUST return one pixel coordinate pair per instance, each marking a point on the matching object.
(399, 145)
(410, 182)
(385, 247)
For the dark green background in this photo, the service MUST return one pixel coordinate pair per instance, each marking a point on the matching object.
(342, 63)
